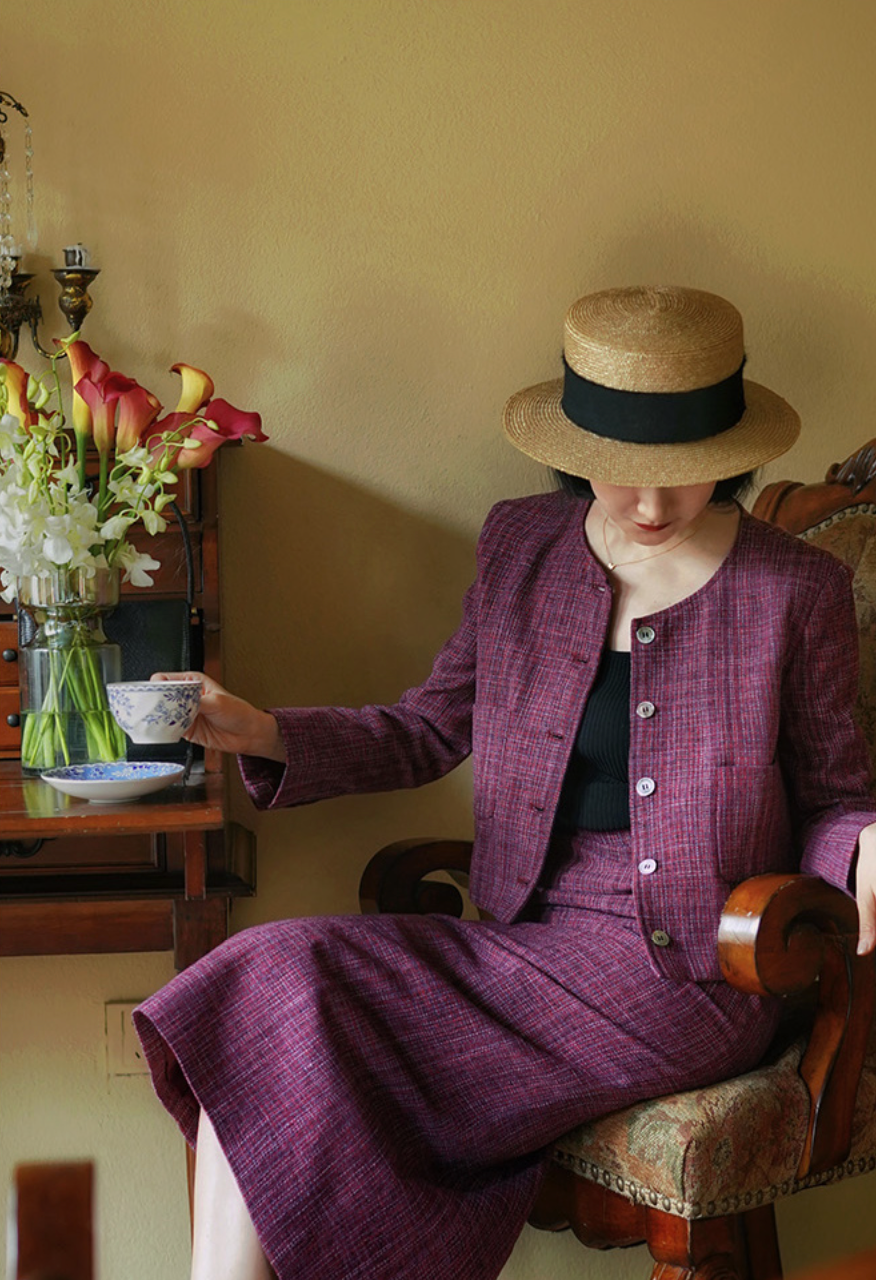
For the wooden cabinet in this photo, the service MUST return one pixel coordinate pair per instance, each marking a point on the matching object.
(10, 725)
(160, 873)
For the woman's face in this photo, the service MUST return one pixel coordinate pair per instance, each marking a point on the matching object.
(651, 517)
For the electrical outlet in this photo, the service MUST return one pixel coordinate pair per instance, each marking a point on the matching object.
(124, 1056)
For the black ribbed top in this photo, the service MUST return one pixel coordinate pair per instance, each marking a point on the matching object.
(595, 791)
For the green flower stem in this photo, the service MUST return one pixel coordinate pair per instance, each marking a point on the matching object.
(102, 496)
(81, 447)
(75, 687)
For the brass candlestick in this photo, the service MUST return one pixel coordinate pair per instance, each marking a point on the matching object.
(16, 308)
(75, 300)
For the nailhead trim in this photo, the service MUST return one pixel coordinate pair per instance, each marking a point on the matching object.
(639, 1194)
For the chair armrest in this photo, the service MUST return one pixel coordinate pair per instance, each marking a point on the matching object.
(781, 934)
(395, 878)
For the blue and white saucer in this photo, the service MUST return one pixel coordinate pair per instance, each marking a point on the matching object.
(112, 783)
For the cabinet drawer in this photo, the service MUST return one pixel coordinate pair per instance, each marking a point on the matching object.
(10, 733)
(8, 653)
(79, 855)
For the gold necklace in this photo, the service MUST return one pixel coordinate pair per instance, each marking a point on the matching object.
(619, 564)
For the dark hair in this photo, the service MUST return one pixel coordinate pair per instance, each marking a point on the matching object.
(733, 489)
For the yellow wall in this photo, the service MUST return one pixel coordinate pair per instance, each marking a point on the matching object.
(367, 217)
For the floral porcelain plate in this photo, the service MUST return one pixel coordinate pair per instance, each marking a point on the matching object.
(112, 783)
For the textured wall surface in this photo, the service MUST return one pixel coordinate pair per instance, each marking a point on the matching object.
(366, 218)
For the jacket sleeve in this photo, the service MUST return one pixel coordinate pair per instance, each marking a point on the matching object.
(332, 751)
(823, 752)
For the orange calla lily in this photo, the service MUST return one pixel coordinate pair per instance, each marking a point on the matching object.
(138, 409)
(84, 363)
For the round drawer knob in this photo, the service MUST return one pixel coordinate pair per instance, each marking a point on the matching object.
(10, 655)
(13, 720)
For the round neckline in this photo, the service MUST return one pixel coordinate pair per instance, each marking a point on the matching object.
(741, 532)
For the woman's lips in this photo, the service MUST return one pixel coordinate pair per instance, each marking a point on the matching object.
(651, 528)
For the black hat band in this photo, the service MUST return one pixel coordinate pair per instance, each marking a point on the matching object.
(653, 417)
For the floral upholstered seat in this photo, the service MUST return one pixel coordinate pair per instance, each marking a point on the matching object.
(720, 1150)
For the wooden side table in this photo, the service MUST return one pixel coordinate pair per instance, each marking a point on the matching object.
(160, 873)
(157, 874)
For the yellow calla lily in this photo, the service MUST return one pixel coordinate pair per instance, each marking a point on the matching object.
(16, 391)
(197, 388)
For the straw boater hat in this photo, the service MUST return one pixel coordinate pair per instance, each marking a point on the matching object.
(653, 394)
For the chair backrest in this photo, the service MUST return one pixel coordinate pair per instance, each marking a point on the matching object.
(839, 514)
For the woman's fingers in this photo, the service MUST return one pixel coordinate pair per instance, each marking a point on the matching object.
(228, 723)
(182, 675)
(866, 922)
(865, 890)
(208, 684)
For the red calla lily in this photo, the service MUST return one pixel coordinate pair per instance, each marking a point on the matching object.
(102, 400)
(230, 424)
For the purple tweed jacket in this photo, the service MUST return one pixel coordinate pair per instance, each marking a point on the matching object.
(744, 753)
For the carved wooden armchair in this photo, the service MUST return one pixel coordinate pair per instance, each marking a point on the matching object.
(696, 1175)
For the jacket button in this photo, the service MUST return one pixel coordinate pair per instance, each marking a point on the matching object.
(646, 786)
(648, 866)
(645, 710)
(645, 635)
(660, 938)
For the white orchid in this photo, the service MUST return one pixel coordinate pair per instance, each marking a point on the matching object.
(137, 565)
(114, 529)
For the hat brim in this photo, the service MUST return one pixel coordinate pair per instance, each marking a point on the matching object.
(535, 423)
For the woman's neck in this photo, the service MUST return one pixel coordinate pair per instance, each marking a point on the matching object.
(647, 580)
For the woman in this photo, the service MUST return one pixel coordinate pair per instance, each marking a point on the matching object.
(373, 1097)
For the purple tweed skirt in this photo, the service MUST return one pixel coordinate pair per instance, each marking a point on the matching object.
(385, 1087)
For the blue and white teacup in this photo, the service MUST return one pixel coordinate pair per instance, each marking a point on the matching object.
(154, 711)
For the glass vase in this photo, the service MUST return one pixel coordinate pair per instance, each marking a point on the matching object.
(65, 668)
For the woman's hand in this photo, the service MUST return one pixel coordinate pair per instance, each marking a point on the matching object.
(865, 889)
(227, 723)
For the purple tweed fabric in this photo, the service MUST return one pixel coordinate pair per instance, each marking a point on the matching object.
(384, 1087)
(750, 762)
